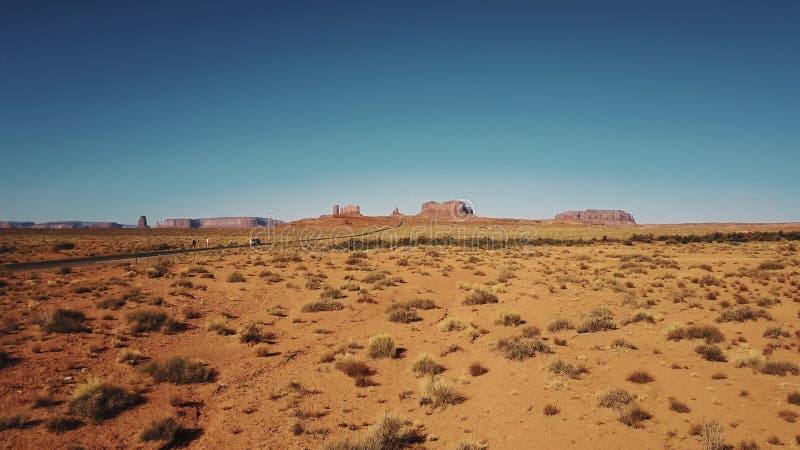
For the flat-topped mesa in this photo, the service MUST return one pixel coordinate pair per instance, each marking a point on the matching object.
(449, 210)
(598, 216)
(221, 222)
(346, 211)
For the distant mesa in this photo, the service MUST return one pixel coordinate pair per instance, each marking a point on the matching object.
(598, 216)
(346, 211)
(449, 210)
(13, 224)
(142, 222)
(65, 225)
(396, 212)
(221, 222)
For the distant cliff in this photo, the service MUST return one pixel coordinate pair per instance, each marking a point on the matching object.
(598, 216)
(449, 210)
(221, 222)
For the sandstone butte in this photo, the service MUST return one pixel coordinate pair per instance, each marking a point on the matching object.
(598, 216)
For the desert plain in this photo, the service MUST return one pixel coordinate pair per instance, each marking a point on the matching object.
(584, 339)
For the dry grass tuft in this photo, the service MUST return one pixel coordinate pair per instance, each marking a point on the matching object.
(97, 400)
(382, 345)
(179, 370)
(426, 365)
(440, 394)
(599, 319)
(160, 430)
(477, 369)
(519, 349)
(389, 432)
(480, 297)
(508, 319)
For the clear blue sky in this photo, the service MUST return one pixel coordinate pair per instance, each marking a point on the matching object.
(673, 110)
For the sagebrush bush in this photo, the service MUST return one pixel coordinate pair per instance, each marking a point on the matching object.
(322, 305)
(508, 319)
(236, 277)
(477, 369)
(179, 370)
(640, 377)
(440, 394)
(710, 352)
(402, 313)
(452, 324)
(389, 432)
(218, 325)
(560, 367)
(161, 430)
(742, 314)
(63, 321)
(254, 334)
(633, 416)
(480, 297)
(560, 325)
(97, 400)
(146, 319)
(519, 349)
(382, 345)
(599, 319)
(331, 293)
(614, 398)
(426, 365)
(422, 303)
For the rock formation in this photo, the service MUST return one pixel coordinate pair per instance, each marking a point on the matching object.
(142, 222)
(221, 222)
(396, 212)
(598, 216)
(449, 210)
(13, 224)
(346, 211)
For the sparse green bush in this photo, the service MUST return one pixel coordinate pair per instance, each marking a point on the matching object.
(179, 370)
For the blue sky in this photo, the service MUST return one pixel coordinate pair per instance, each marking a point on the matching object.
(677, 111)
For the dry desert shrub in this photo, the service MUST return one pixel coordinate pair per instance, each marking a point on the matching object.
(633, 416)
(440, 394)
(382, 345)
(480, 297)
(712, 435)
(351, 366)
(560, 325)
(470, 444)
(776, 333)
(322, 305)
(640, 316)
(742, 314)
(788, 415)
(508, 319)
(402, 313)
(60, 424)
(146, 319)
(614, 398)
(97, 400)
(640, 377)
(519, 349)
(678, 406)
(426, 365)
(11, 421)
(330, 293)
(710, 352)
(236, 277)
(422, 303)
(599, 319)
(261, 350)
(179, 370)
(452, 324)
(389, 432)
(254, 334)
(477, 369)
(793, 398)
(560, 367)
(160, 430)
(550, 410)
(129, 356)
(62, 321)
(530, 331)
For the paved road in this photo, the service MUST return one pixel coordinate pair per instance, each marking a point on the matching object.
(129, 256)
